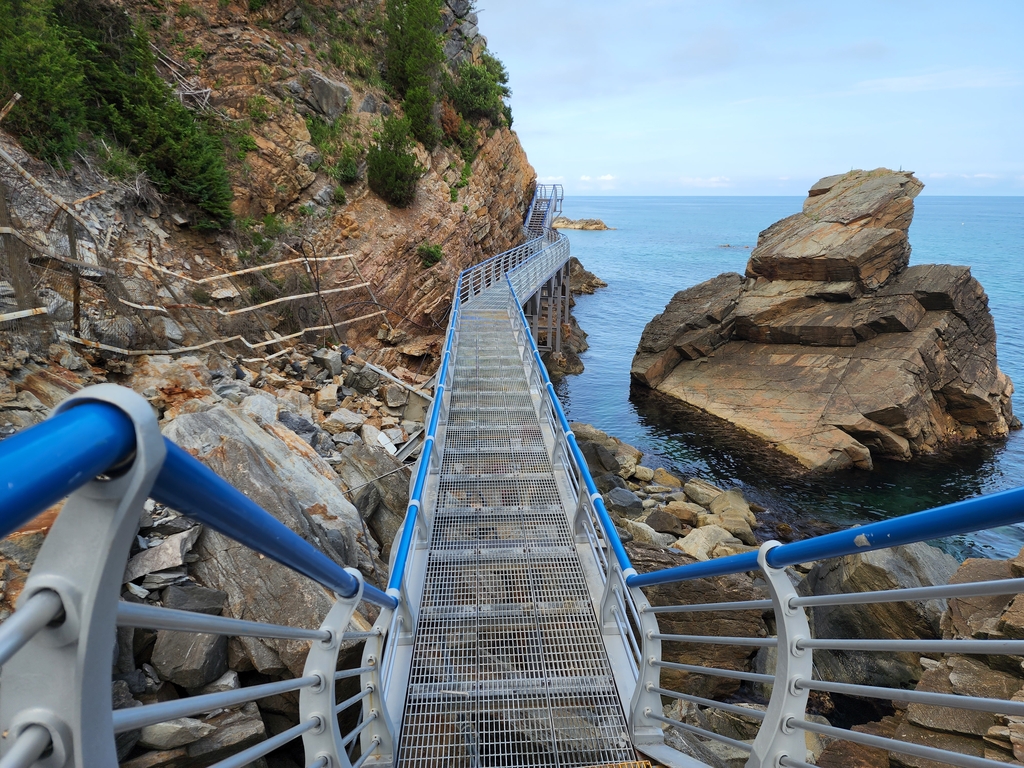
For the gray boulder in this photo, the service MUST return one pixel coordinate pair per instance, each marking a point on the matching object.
(188, 659)
(281, 473)
(623, 502)
(326, 96)
(912, 565)
(382, 502)
(329, 359)
(192, 597)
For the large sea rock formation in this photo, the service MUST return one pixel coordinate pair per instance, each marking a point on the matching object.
(830, 348)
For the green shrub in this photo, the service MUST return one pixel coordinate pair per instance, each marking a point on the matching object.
(201, 295)
(82, 65)
(412, 59)
(273, 226)
(37, 62)
(429, 255)
(256, 5)
(477, 91)
(419, 108)
(454, 194)
(260, 108)
(392, 171)
(348, 164)
(339, 195)
(117, 163)
(246, 143)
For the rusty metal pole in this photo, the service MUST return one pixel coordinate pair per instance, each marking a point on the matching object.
(76, 279)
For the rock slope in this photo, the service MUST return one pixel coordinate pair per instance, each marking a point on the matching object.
(830, 348)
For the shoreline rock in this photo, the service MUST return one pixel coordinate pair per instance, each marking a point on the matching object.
(561, 222)
(831, 350)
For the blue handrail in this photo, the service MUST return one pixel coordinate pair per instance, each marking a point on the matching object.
(979, 513)
(611, 535)
(416, 496)
(41, 465)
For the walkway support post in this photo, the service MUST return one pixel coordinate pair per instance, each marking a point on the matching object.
(776, 739)
(642, 729)
(82, 561)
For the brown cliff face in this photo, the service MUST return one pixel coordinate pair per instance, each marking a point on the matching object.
(831, 349)
(486, 220)
(265, 79)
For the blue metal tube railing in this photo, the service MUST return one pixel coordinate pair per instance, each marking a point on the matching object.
(42, 465)
(415, 506)
(36, 478)
(980, 513)
(611, 536)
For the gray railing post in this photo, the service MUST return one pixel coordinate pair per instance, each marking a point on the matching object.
(60, 680)
(642, 729)
(375, 706)
(776, 739)
(325, 740)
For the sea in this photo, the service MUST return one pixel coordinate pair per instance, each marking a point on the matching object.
(661, 245)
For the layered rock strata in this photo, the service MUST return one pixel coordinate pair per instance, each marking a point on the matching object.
(830, 348)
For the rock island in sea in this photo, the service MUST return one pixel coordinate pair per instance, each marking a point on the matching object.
(831, 348)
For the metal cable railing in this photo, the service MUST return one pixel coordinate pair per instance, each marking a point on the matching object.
(103, 447)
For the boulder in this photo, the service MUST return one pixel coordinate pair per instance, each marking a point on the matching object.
(234, 731)
(665, 522)
(168, 554)
(725, 623)
(192, 597)
(383, 494)
(326, 96)
(343, 420)
(709, 541)
(622, 502)
(327, 397)
(625, 454)
(281, 473)
(643, 474)
(330, 360)
(665, 478)
(174, 733)
(912, 565)
(599, 459)
(701, 492)
(643, 534)
(852, 227)
(828, 309)
(189, 659)
(606, 482)
(686, 512)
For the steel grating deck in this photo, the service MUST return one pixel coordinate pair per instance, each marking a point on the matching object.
(508, 666)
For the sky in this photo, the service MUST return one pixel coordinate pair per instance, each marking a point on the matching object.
(763, 97)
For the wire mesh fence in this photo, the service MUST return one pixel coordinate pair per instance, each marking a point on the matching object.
(63, 277)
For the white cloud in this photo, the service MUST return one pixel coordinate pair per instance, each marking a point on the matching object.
(606, 177)
(585, 178)
(985, 176)
(550, 179)
(714, 182)
(783, 178)
(937, 175)
(970, 78)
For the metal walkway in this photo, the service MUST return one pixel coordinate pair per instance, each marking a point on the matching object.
(509, 667)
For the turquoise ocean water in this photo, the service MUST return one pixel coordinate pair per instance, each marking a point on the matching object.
(661, 245)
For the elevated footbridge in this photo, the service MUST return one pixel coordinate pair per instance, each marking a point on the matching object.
(513, 630)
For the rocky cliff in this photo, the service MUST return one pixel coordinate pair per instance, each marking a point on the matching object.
(831, 349)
